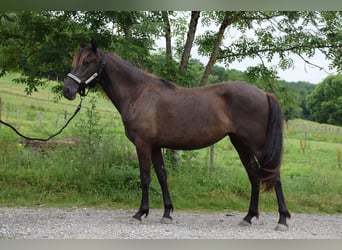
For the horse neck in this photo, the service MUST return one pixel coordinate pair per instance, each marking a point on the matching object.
(122, 82)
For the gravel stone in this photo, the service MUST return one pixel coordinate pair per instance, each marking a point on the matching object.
(91, 223)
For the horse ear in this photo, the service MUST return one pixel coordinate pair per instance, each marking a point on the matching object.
(93, 44)
(82, 43)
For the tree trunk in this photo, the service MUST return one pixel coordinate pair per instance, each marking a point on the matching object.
(189, 41)
(229, 18)
(127, 30)
(171, 155)
(166, 21)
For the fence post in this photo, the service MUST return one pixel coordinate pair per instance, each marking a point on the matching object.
(0, 111)
(212, 148)
(56, 121)
(40, 118)
(17, 118)
(304, 135)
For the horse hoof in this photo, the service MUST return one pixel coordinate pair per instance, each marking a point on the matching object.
(282, 227)
(135, 220)
(166, 220)
(244, 223)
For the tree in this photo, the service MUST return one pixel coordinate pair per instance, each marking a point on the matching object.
(184, 72)
(134, 33)
(168, 43)
(302, 89)
(325, 101)
(39, 45)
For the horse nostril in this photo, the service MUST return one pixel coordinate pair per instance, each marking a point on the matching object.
(69, 93)
(66, 90)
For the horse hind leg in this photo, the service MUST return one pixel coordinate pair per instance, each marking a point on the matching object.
(252, 168)
(283, 212)
(250, 164)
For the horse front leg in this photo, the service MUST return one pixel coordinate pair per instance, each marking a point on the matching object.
(158, 164)
(144, 157)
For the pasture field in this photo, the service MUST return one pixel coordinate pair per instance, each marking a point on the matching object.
(99, 167)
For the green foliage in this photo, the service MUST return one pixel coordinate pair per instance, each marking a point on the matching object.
(38, 44)
(90, 130)
(282, 33)
(325, 101)
(302, 89)
(169, 70)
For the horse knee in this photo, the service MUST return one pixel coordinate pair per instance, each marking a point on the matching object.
(145, 181)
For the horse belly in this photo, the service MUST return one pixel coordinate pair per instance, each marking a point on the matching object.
(192, 130)
(190, 143)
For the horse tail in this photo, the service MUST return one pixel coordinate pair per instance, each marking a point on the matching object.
(271, 157)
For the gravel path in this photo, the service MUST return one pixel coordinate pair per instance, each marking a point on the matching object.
(90, 223)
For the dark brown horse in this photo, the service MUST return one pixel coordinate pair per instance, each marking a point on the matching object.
(158, 114)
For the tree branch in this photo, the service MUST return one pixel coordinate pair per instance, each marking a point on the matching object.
(312, 64)
(271, 49)
(228, 20)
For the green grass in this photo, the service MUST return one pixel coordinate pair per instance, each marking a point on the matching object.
(104, 172)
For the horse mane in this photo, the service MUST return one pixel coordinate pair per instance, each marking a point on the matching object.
(86, 51)
(168, 84)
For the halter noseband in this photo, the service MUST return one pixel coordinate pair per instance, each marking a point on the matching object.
(90, 81)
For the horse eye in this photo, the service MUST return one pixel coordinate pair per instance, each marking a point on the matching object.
(86, 61)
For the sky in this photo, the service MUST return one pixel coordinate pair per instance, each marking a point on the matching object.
(300, 72)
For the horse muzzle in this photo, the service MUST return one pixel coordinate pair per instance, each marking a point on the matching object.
(69, 92)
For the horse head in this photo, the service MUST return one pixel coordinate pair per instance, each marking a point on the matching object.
(87, 66)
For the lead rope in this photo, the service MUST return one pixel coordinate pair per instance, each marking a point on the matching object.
(78, 108)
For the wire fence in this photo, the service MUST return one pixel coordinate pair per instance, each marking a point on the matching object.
(6, 114)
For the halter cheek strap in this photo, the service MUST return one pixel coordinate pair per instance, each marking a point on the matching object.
(90, 79)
